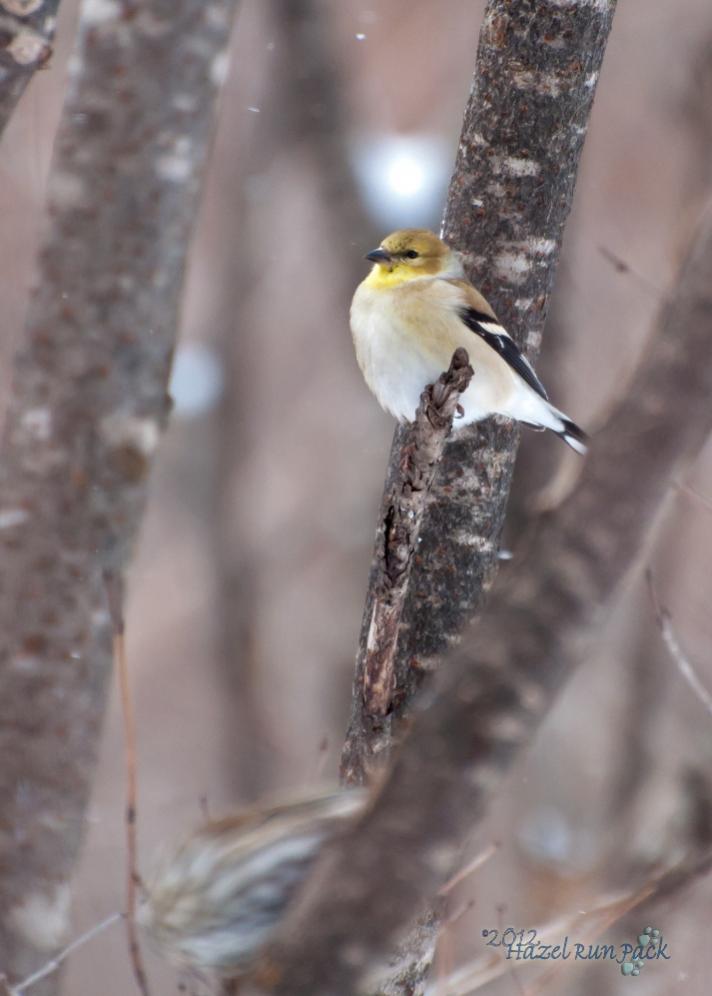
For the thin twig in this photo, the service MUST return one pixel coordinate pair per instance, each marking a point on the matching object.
(443, 959)
(470, 978)
(486, 968)
(444, 953)
(115, 598)
(402, 515)
(621, 266)
(691, 492)
(684, 666)
(53, 964)
(470, 868)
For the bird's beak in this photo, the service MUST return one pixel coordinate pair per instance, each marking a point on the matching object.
(379, 256)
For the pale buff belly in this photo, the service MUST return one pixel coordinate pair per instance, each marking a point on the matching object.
(397, 369)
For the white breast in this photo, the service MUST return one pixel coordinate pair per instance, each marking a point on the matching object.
(405, 339)
(395, 370)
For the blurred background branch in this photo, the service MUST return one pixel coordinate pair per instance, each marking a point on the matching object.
(88, 406)
(299, 129)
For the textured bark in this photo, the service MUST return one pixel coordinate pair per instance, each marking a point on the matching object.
(88, 406)
(26, 33)
(486, 704)
(537, 67)
(402, 514)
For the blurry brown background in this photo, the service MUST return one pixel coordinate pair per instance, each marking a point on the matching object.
(340, 121)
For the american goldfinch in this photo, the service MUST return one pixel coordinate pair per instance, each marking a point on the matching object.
(411, 313)
(214, 900)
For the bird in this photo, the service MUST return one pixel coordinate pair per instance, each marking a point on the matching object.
(214, 898)
(413, 310)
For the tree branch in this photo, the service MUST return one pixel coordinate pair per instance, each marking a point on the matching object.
(677, 654)
(55, 963)
(510, 195)
(26, 34)
(401, 515)
(88, 407)
(486, 704)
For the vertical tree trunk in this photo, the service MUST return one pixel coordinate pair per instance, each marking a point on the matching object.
(537, 67)
(86, 415)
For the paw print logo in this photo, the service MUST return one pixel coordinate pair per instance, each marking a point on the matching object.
(632, 968)
(648, 936)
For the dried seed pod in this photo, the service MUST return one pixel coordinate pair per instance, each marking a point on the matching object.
(214, 900)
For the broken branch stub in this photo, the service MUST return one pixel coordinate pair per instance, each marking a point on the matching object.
(401, 517)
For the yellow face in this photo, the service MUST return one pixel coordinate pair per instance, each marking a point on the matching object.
(406, 255)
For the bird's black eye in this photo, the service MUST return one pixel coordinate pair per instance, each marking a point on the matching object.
(411, 254)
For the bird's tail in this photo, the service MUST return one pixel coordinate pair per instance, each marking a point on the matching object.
(567, 430)
(540, 413)
(574, 436)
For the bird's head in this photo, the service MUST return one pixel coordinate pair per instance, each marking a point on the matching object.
(409, 254)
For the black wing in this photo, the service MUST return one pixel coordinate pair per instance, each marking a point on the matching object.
(484, 326)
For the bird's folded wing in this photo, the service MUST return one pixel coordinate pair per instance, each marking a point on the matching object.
(495, 336)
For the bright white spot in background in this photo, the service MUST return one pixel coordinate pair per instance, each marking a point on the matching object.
(546, 833)
(196, 380)
(255, 110)
(360, 37)
(403, 178)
